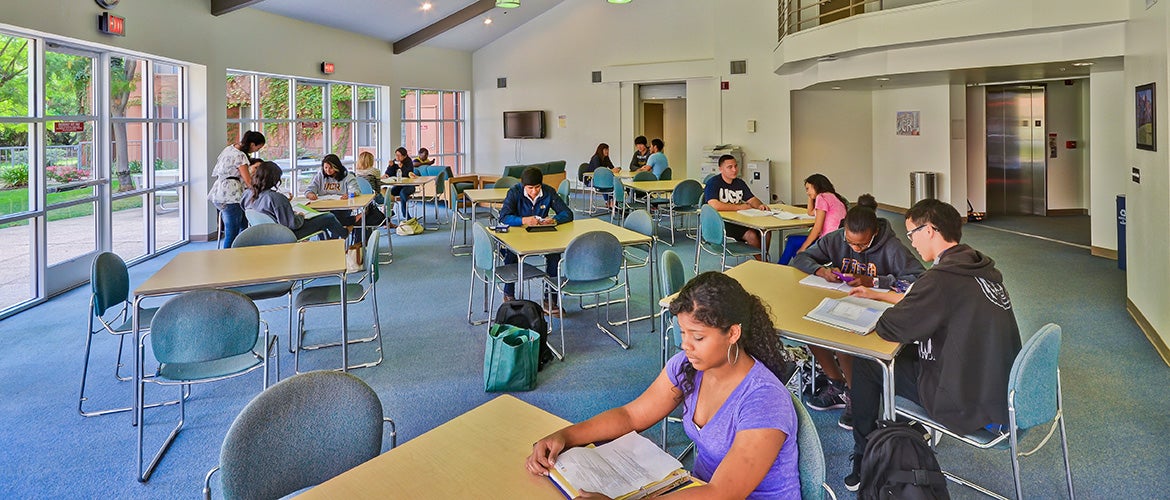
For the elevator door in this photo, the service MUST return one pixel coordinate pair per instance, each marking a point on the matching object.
(1016, 160)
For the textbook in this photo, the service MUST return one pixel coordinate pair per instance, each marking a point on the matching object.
(305, 211)
(628, 468)
(783, 215)
(753, 212)
(819, 282)
(853, 314)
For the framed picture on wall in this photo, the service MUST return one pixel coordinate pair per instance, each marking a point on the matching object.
(1145, 112)
(907, 123)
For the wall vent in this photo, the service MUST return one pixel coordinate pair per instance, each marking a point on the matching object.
(596, 77)
(739, 67)
(501, 83)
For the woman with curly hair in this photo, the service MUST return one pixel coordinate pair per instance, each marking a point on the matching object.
(735, 408)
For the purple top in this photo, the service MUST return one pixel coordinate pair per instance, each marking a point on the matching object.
(760, 401)
(834, 211)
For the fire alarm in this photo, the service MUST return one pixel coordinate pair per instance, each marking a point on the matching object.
(724, 85)
(327, 68)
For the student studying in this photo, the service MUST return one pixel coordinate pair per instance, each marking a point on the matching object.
(528, 204)
(334, 179)
(727, 192)
(865, 252)
(735, 407)
(263, 197)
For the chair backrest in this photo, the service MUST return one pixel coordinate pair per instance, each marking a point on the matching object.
(482, 251)
(592, 256)
(687, 193)
(640, 222)
(300, 432)
(581, 171)
(672, 273)
(372, 245)
(109, 282)
(441, 181)
(1033, 383)
(256, 217)
(666, 174)
(645, 176)
(506, 182)
(811, 462)
(707, 178)
(204, 325)
(264, 234)
(563, 190)
(603, 178)
(711, 226)
(619, 191)
(364, 185)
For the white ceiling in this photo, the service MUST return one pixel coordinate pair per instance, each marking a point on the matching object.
(393, 20)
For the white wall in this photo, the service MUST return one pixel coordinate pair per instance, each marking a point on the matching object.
(832, 134)
(1066, 172)
(977, 148)
(1107, 147)
(674, 135)
(895, 156)
(1147, 203)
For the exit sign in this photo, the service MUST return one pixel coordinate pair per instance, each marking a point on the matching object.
(111, 24)
(327, 68)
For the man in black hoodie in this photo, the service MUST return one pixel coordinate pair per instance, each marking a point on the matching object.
(960, 315)
(867, 253)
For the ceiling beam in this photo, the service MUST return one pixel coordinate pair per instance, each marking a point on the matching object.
(441, 26)
(221, 7)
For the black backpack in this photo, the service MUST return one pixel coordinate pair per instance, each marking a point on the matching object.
(899, 464)
(527, 314)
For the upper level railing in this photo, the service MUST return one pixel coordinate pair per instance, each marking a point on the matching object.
(797, 15)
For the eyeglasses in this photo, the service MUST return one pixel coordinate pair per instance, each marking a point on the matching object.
(910, 233)
(858, 246)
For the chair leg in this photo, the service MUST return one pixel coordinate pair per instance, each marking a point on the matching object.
(1063, 436)
(144, 474)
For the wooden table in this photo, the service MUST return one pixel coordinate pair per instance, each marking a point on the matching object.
(523, 243)
(479, 454)
(419, 181)
(650, 188)
(233, 267)
(488, 196)
(766, 223)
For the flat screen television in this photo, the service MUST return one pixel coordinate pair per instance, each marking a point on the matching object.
(524, 124)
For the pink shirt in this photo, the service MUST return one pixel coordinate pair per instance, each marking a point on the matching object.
(834, 211)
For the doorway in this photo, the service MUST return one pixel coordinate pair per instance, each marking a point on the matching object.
(664, 116)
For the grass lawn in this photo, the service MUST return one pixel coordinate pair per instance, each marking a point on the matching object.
(16, 200)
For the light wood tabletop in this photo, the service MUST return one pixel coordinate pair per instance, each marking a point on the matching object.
(231, 267)
(769, 222)
(479, 454)
(653, 186)
(356, 202)
(488, 195)
(523, 242)
(407, 181)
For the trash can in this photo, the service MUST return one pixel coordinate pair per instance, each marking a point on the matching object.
(1121, 231)
(922, 186)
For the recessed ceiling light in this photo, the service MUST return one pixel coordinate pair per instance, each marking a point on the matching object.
(883, 79)
(1082, 64)
(426, 6)
(836, 88)
(487, 21)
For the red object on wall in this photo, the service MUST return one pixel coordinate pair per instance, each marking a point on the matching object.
(68, 127)
(111, 24)
(327, 68)
(724, 85)
(1070, 144)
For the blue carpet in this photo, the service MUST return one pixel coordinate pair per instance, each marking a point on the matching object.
(1114, 383)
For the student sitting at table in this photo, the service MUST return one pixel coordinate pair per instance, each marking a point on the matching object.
(600, 159)
(528, 204)
(735, 407)
(728, 193)
(825, 205)
(334, 179)
(401, 166)
(864, 252)
(264, 198)
(424, 158)
(364, 168)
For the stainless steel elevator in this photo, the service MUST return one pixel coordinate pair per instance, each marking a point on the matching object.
(1017, 163)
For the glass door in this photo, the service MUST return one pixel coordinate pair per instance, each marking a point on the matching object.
(71, 185)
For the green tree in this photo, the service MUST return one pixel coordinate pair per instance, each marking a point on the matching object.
(122, 85)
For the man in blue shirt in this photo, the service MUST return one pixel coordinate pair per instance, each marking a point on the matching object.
(657, 161)
(528, 204)
(727, 193)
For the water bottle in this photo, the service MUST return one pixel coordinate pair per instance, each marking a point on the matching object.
(352, 193)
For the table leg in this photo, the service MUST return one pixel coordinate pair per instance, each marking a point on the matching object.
(345, 324)
(763, 245)
(519, 276)
(888, 389)
(138, 396)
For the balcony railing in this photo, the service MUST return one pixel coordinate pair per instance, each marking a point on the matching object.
(798, 15)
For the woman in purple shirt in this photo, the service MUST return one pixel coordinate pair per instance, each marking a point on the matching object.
(735, 408)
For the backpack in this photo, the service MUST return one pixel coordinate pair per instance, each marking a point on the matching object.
(527, 314)
(899, 464)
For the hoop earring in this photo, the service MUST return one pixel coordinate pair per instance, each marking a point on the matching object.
(729, 360)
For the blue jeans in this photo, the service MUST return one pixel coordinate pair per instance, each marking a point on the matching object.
(403, 193)
(232, 215)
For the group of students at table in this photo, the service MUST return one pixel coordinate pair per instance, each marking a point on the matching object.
(648, 157)
(246, 183)
(727, 377)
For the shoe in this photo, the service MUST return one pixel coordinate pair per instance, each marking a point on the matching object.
(509, 298)
(831, 396)
(552, 309)
(391, 225)
(853, 480)
(846, 419)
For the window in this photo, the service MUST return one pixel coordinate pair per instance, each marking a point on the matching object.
(436, 120)
(300, 127)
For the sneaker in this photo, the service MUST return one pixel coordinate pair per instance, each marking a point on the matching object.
(853, 480)
(831, 396)
(846, 419)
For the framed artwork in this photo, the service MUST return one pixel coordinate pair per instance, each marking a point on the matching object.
(907, 123)
(1145, 112)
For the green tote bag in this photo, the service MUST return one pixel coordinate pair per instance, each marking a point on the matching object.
(510, 359)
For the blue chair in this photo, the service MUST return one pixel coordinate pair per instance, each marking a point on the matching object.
(603, 183)
(299, 433)
(109, 283)
(621, 203)
(666, 174)
(638, 256)
(713, 240)
(486, 269)
(592, 266)
(672, 277)
(366, 188)
(506, 182)
(565, 192)
(684, 201)
(645, 176)
(1034, 398)
(330, 295)
(811, 461)
(457, 203)
(198, 337)
(267, 234)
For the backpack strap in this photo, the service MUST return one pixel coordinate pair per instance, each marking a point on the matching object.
(917, 477)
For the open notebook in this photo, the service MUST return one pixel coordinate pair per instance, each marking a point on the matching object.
(819, 282)
(853, 314)
(627, 468)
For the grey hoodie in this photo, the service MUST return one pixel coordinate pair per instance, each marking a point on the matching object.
(886, 260)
